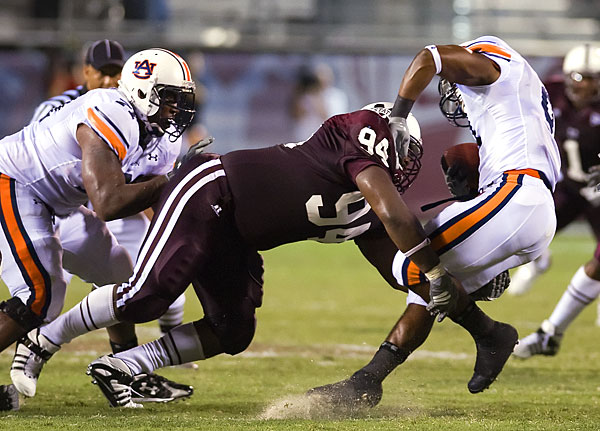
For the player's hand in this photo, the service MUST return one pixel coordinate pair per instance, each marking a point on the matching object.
(493, 289)
(443, 296)
(401, 136)
(194, 150)
(594, 178)
(197, 148)
(457, 181)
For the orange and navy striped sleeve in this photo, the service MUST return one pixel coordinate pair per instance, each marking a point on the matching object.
(108, 131)
(489, 48)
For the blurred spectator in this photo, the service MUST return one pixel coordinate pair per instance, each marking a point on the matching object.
(315, 99)
(151, 10)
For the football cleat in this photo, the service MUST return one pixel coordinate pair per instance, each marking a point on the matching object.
(9, 398)
(525, 276)
(359, 391)
(152, 388)
(493, 351)
(544, 341)
(32, 351)
(114, 378)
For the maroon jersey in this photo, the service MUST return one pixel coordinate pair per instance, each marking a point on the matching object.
(307, 190)
(577, 134)
(578, 137)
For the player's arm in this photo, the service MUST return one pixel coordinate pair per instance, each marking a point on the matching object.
(453, 62)
(407, 233)
(458, 65)
(400, 223)
(104, 181)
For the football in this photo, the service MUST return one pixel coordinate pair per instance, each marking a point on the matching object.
(465, 157)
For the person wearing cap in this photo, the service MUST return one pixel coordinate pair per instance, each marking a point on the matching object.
(102, 66)
(101, 252)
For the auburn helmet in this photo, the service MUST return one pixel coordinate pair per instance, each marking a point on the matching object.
(158, 83)
(403, 177)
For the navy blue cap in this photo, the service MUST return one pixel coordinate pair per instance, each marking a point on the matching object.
(105, 52)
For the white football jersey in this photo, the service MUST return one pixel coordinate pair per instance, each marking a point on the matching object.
(512, 117)
(45, 156)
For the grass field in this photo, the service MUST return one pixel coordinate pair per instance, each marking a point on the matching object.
(324, 314)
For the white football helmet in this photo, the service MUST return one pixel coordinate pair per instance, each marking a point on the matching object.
(581, 67)
(158, 83)
(403, 177)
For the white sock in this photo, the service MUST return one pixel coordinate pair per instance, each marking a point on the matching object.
(174, 315)
(179, 346)
(582, 290)
(93, 312)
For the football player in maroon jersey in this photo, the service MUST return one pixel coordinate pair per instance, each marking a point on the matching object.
(218, 212)
(576, 100)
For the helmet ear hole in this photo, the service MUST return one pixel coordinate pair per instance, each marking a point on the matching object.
(141, 94)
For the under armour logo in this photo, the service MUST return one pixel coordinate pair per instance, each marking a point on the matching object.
(153, 157)
(143, 69)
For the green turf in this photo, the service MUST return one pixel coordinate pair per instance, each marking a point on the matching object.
(325, 311)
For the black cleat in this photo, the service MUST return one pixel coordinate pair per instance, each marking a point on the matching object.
(9, 398)
(360, 391)
(493, 351)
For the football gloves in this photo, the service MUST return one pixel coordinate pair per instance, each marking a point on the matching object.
(401, 135)
(443, 295)
(194, 150)
(494, 289)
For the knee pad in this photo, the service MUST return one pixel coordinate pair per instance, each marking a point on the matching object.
(20, 313)
(235, 330)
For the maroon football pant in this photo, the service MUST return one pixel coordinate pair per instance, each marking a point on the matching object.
(192, 238)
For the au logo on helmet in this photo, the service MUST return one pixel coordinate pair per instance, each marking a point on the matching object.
(143, 69)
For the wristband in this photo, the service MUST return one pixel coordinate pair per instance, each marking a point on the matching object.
(436, 272)
(401, 107)
(437, 59)
(417, 247)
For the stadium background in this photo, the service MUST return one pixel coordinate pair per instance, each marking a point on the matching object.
(246, 54)
(319, 321)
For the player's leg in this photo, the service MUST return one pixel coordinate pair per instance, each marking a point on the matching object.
(592, 215)
(139, 300)
(165, 267)
(130, 233)
(569, 205)
(93, 254)
(31, 254)
(583, 289)
(229, 299)
(364, 387)
(511, 223)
